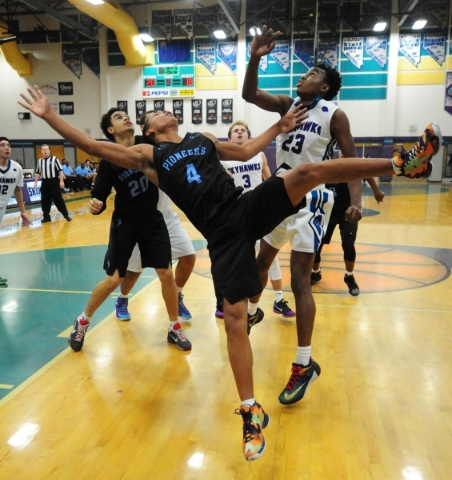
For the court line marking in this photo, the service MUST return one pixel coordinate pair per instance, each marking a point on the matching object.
(6, 386)
(61, 355)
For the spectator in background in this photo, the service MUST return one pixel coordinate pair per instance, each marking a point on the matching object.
(83, 176)
(70, 179)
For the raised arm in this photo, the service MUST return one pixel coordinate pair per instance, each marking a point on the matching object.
(230, 151)
(135, 157)
(260, 46)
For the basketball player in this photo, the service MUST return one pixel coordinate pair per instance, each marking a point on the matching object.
(11, 181)
(189, 172)
(249, 175)
(135, 221)
(326, 125)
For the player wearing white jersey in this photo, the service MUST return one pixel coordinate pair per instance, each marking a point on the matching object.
(11, 181)
(311, 142)
(249, 175)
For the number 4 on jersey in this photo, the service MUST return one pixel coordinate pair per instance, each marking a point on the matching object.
(192, 174)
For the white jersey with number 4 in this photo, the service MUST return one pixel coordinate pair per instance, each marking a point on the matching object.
(311, 142)
(246, 174)
(10, 177)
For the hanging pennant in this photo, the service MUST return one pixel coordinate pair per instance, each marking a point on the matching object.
(140, 108)
(226, 110)
(196, 112)
(178, 111)
(211, 108)
(159, 105)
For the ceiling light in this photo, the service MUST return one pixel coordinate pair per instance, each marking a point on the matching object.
(255, 31)
(418, 24)
(380, 26)
(146, 37)
(219, 34)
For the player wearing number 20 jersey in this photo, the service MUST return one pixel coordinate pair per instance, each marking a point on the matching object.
(135, 219)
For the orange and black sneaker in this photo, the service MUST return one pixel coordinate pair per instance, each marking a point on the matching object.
(415, 163)
(299, 381)
(254, 421)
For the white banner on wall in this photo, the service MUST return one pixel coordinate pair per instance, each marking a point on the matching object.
(353, 49)
(280, 54)
(410, 46)
(205, 53)
(328, 52)
(435, 46)
(377, 48)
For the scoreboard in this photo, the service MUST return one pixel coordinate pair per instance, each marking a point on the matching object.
(169, 81)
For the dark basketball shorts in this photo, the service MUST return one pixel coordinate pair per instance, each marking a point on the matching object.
(151, 235)
(232, 246)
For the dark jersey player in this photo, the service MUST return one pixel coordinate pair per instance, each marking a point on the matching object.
(135, 220)
(189, 171)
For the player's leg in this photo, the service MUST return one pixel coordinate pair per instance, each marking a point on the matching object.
(46, 202)
(133, 272)
(348, 236)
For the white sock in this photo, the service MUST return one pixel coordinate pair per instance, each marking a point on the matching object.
(252, 308)
(123, 296)
(348, 273)
(316, 271)
(250, 402)
(172, 323)
(278, 296)
(303, 355)
(83, 316)
(179, 290)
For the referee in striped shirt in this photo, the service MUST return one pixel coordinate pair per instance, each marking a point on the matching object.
(50, 171)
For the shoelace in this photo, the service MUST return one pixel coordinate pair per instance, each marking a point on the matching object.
(80, 333)
(180, 334)
(249, 429)
(293, 378)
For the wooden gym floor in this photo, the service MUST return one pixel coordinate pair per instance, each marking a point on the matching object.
(130, 406)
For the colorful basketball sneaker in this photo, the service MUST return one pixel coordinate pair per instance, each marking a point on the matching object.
(219, 313)
(184, 314)
(77, 336)
(415, 163)
(255, 319)
(299, 381)
(122, 313)
(254, 421)
(282, 308)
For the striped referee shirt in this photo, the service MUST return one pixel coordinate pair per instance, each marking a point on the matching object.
(49, 167)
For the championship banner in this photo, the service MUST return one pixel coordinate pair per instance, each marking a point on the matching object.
(159, 105)
(328, 52)
(435, 46)
(377, 48)
(140, 108)
(161, 21)
(205, 19)
(122, 105)
(304, 50)
(90, 57)
(280, 54)
(211, 107)
(263, 63)
(71, 57)
(178, 111)
(410, 46)
(226, 110)
(353, 49)
(256, 17)
(183, 20)
(205, 53)
(448, 99)
(227, 53)
(223, 20)
(196, 112)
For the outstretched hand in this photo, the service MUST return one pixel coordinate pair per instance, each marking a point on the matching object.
(36, 102)
(293, 118)
(263, 44)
